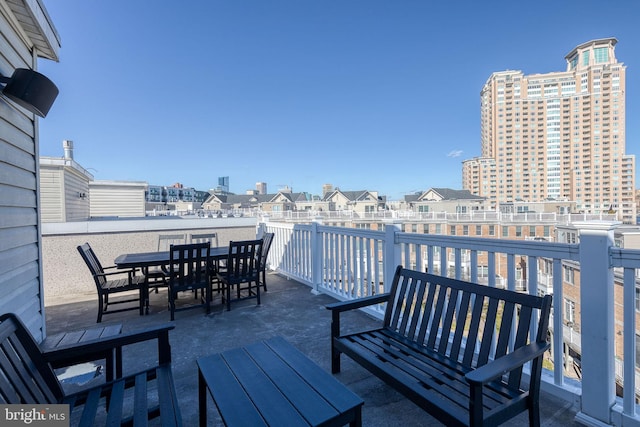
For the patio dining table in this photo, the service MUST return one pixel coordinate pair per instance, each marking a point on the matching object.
(144, 260)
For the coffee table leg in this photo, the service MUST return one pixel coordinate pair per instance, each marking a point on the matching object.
(358, 421)
(202, 400)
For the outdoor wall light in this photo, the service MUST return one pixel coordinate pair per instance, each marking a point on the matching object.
(31, 90)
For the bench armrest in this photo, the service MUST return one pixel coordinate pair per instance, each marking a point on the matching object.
(358, 303)
(71, 352)
(506, 363)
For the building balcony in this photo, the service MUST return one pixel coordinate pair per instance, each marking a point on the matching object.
(314, 264)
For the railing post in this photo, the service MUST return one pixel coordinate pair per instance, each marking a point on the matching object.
(261, 227)
(392, 253)
(597, 322)
(316, 256)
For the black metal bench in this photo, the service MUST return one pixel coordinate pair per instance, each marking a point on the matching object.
(26, 378)
(454, 348)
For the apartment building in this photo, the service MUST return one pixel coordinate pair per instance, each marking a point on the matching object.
(557, 136)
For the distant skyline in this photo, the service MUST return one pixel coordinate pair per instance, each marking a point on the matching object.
(361, 94)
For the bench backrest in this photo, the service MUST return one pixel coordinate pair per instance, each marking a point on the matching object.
(24, 375)
(464, 321)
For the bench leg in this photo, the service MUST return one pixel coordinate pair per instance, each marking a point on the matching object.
(335, 333)
(534, 414)
(335, 359)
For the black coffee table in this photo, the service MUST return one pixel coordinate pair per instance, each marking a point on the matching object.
(272, 383)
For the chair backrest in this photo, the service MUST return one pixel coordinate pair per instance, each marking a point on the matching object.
(212, 238)
(26, 377)
(243, 261)
(266, 245)
(186, 266)
(166, 240)
(93, 263)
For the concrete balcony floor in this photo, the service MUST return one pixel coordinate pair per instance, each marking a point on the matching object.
(288, 309)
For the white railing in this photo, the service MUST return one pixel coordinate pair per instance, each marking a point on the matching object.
(350, 263)
(443, 217)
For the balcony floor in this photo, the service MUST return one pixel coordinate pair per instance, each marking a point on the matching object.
(288, 309)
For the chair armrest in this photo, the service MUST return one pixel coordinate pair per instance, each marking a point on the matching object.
(357, 303)
(131, 273)
(340, 307)
(71, 352)
(506, 363)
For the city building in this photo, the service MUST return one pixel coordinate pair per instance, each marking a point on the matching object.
(64, 188)
(223, 185)
(261, 187)
(557, 136)
(444, 200)
(176, 196)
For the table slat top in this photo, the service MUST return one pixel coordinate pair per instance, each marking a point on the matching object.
(273, 381)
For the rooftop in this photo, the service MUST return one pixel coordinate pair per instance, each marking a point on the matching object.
(288, 309)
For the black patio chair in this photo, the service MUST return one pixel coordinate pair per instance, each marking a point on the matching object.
(113, 282)
(242, 266)
(212, 239)
(189, 271)
(266, 245)
(159, 276)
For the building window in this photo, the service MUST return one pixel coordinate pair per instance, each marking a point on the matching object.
(438, 228)
(532, 230)
(465, 230)
(569, 311)
(601, 55)
(505, 231)
(492, 230)
(452, 230)
(569, 275)
(478, 230)
(483, 271)
(518, 231)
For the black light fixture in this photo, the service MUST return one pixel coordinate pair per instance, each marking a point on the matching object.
(31, 90)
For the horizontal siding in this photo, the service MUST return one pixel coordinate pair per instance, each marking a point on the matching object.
(16, 167)
(76, 208)
(20, 276)
(120, 203)
(51, 206)
(11, 196)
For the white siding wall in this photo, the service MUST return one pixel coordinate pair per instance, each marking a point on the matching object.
(51, 195)
(116, 200)
(77, 209)
(20, 269)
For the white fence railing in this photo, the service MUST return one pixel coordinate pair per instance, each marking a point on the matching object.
(350, 263)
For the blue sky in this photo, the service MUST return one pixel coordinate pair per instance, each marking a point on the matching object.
(361, 94)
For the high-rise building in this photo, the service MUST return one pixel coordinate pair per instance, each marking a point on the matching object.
(223, 184)
(557, 136)
(261, 187)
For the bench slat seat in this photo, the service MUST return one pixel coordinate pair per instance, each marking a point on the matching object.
(454, 348)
